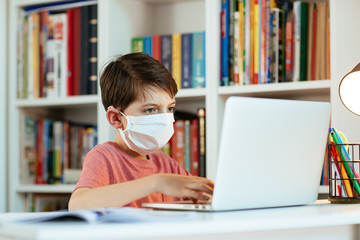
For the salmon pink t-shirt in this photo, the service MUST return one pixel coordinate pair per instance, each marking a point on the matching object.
(106, 164)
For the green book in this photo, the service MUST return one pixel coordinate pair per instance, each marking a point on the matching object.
(137, 44)
(304, 7)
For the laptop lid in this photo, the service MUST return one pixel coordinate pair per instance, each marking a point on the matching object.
(271, 153)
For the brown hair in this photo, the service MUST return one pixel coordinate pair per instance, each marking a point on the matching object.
(123, 79)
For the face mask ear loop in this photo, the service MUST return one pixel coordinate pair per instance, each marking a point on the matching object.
(111, 107)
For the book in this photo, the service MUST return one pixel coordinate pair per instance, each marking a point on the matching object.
(70, 52)
(303, 40)
(225, 42)
(194, 149)
(176, 59)
(289, 47)
(186, 63)
(201, 113)
(147, 48)
(166, 52)
(93, 60)
(28, 151)
(60, 37)
(35, 61)
(47, 202)
(77, 51)
(178, 142)
(84, 49)
(187, 145)
(198, 60)
(137, 44)
(100, 215)
(156, 47)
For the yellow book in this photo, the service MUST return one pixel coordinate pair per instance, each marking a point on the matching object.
(36, 54)
(176, 58)
(241, 43)
(256, 41)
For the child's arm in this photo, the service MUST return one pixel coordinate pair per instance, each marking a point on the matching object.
(117, 195)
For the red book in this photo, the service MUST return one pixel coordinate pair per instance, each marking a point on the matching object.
(70, 52)
(39, 162)
(289, 48)
(178, 143)
(156, 47)
(43, 36)
(76, 50)
(194, 149)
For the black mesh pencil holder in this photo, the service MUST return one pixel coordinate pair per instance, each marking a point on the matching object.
(344, 172)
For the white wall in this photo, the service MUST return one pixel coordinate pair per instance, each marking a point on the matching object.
(3, 104)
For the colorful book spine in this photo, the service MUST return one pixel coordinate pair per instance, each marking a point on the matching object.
(70, 53)
(194, 149)
(178, 142)
(156, 47)
(148, 45)
(137, 44)
(304, 6)
(166, 52)
(93, 41)
(84, 50)
(198, 60)
(225, 47)
(187, 145)
(201, 113)
(186, 63)
(176, 58)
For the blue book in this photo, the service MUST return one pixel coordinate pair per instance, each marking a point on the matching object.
(47, 150)
(260, 74)
(225, 43)
(166, 51)
(198, 60)
(186, 55)
(148, 45)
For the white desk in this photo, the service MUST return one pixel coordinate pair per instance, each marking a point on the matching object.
(322, 221)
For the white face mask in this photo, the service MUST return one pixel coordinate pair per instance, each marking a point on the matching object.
(146, 134)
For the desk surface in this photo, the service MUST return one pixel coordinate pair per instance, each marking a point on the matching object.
(271, 219)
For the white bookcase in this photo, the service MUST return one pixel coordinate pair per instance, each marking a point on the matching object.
(3, 104)
(121, 20)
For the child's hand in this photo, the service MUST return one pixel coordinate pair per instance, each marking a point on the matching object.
(184, 186)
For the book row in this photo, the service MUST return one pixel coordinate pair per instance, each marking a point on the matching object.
(183, 54)
(268, 41)
(57, 52)
(49, 148)
(187, 146)
(46, 202)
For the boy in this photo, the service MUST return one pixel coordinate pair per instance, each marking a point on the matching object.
(138, 95)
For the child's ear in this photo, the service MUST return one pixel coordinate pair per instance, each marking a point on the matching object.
(115, 119)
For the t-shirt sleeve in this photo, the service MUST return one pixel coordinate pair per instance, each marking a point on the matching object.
(96, 171)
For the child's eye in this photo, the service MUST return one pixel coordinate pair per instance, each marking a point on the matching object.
(150, 110)
(171, 109)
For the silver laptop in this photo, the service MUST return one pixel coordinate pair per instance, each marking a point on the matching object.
(271, 154)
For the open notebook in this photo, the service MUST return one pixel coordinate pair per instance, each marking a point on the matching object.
(271, 154)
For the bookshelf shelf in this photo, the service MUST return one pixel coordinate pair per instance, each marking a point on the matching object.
(32, 188)
(191, 93)
(321, 87)
(69, 101)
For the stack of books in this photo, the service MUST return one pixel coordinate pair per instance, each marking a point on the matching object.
(183, 54)
(57, 50)
(268, 41)
(188, 146)
(53, 148)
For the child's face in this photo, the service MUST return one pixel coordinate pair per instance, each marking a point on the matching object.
(153, 101)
